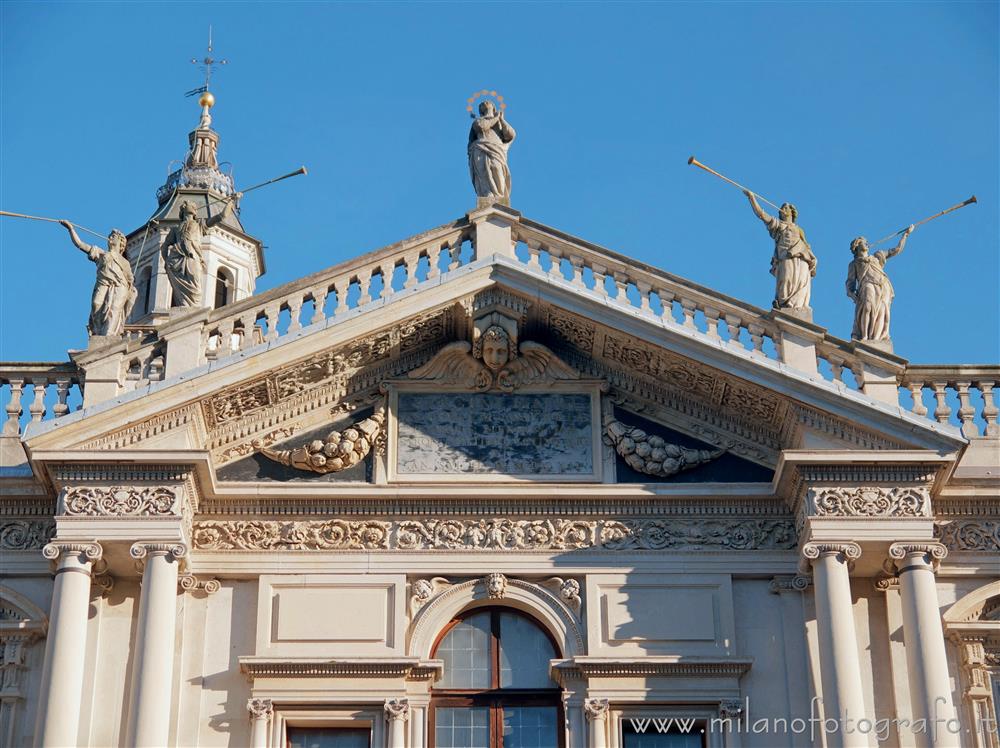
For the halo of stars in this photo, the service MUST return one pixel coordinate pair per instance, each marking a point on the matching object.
(484, 94)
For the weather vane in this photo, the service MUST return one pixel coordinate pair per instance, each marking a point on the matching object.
(206, 64)
(470, 102)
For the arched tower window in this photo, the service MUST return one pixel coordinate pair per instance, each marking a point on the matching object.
(495, 691)
(146, 289)
(225, 287)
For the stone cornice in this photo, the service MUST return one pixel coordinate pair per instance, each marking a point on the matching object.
(584, 667)
(409, 668)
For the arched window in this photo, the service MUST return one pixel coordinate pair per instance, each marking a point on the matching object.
(495, 691)
(224, 287)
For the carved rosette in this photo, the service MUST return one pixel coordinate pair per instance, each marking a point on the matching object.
(260, 708)
(904, 556)
(396, 709)
(870, 501)
(596, 709)
(120, 501)
(497, 534)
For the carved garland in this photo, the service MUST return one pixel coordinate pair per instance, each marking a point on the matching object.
(339, 451)
(496, 534)
(653, 455)
(871, 501)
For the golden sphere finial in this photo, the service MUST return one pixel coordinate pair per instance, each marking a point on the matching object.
(207, 99)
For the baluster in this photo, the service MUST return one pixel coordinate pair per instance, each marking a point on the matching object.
(733, 324)
(600, 273)
(621, 288)
(858, 370)
(245, 331)
(454, 254)
(210, 344)
(364, 283)
(836, 367)
(343, 286)
(966, 413)
(990, 410)
(712, 322)
(411, 263)
(756, 337)
(61, 407)
(272, 312)
(295, 310)
(433, 258)
(688, 307)
(942, 412)
(226, 343)
(555, 269)
(37, 407)
(917, 393)
(576, 263)
(319, 302)
(387, 270)
(667, 302)
(12, 426)
(644, 290)
(534, 250)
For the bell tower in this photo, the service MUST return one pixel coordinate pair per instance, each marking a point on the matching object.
(223, 266)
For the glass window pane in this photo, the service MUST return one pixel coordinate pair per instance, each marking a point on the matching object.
(466, 654)
(646, 733)
(328, 737)
(525, 652)
(530, 727)
(462, 727)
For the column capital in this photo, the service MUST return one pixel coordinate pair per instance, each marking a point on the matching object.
(903, 556)
(596, 709)
(730, 709)
(141, 551)
(789, 583)
(846, 552)
(57, 549)
(260, 708)
(396, 709)
(189, 583)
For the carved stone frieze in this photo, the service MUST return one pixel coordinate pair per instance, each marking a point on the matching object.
(121, 501)
(837, 427)
(25, 534)
(870, 501)
(638, 534)
(650, 454)
(339, 451)
(571, 330)
(969, 534)
(178, 418)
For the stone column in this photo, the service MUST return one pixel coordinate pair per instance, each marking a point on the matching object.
(260, 719)
(923, 635)
(840, 668)
(397, 712)
(152, 682)
(66, 646)
(597, 715)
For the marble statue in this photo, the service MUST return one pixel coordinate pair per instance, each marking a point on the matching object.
(793, 264)
(182, 255)
(114, 290)
(489, 139)
(869, 287)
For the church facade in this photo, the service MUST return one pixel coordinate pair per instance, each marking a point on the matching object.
(492, 485)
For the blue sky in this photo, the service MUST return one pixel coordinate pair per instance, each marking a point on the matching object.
(866, 115)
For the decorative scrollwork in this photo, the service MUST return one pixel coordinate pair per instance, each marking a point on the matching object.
(120, 501)
(871, 501)
(26, 534)
(969, 534)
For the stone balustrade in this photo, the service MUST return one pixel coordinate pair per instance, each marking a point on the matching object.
(960, 395)
(943, 385)
(337, 290)
(34, 384)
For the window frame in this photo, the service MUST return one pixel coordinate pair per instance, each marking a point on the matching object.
(495, 698)
(699, 712)
(304, 717)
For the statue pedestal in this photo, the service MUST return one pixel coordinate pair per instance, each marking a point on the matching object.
(804, 313)
(486, 202)
(879, 345)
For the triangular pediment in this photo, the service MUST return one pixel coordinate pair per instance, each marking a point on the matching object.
(671, 376)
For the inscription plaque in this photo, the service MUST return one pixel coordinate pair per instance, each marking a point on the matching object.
(499, 434)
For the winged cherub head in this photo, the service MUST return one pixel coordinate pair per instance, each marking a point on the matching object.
(494, 348)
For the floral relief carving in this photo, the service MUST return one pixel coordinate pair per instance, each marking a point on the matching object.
(871, 501)
(572, 330)
(969, 534)
(497, 534)
(26, 534)
(120, 501)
